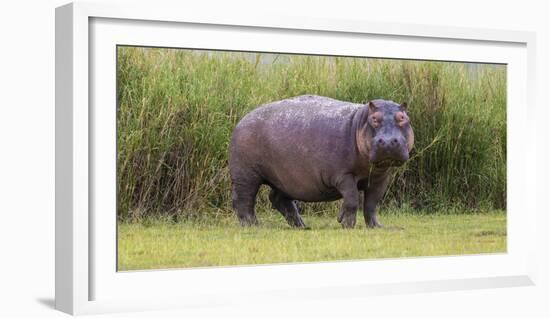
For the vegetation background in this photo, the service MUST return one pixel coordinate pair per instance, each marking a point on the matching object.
(177, 109)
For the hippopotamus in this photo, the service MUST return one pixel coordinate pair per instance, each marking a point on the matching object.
(317, 149)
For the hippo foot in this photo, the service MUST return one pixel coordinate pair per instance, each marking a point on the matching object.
(347, 221)
(248, 221)
(340, 217)
(304, 227)
(297, 222)
(374, 224)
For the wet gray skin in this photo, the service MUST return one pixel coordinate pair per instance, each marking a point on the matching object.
(315, 149)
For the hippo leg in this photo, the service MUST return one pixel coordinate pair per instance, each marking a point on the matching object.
(287, 207)
(244, 199)
(348, 189)
(372, 196)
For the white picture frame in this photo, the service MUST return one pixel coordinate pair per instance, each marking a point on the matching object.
(86, 281)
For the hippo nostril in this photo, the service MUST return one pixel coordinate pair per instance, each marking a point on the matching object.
(381, 141)
(394, 141)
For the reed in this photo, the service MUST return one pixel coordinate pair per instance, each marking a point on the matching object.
(177, 108)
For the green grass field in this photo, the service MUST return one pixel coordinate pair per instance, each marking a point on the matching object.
(157, 244)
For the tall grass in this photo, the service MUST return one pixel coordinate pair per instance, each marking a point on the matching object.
(177, 108)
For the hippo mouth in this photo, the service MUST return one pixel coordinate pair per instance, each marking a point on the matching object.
(385, 163)
(389, 157)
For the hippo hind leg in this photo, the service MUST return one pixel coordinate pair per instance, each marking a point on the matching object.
(244, 199)
(287, 208)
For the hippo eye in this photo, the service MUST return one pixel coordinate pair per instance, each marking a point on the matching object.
(400, 119)
(375, 122)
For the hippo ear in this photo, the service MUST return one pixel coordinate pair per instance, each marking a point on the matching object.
(372, 107)
(404, 105)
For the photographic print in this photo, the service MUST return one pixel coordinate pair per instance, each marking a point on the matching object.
(228, 158)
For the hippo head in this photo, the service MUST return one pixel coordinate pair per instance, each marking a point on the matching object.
(385, 134)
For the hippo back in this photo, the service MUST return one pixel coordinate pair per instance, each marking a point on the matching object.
(296, 143)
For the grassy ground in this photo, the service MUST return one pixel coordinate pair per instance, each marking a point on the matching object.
(221, 242)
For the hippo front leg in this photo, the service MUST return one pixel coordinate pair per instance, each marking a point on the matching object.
(373, 194)
(348, 211)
